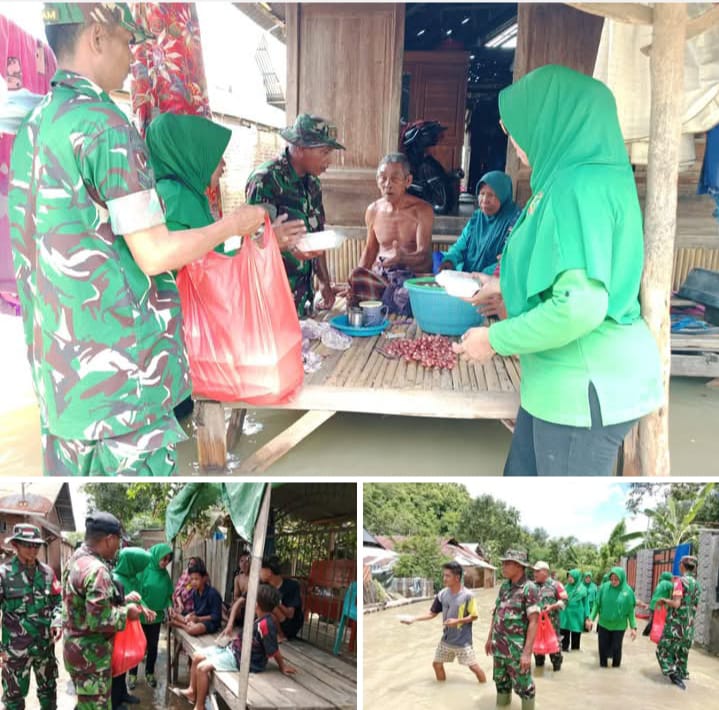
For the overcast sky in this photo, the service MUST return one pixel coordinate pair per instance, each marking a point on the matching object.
(587, 508)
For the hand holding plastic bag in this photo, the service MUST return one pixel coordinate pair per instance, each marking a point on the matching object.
(240, 325)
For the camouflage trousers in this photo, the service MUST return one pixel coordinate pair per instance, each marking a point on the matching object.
(673, 654)
(64, 457)
(94, 690)
(16, 679)
(506, 676)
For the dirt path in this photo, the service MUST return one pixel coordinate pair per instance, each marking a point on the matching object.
(398, 671)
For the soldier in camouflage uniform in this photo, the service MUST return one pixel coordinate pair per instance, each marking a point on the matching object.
(290, 185)
(92, 256)
(678, 636)
(551, 599)
(31, 622)
(512, 632)
(93, 612)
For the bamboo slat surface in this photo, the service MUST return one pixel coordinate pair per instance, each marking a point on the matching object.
(362, 379)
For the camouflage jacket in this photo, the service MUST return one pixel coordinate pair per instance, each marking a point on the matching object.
(91, 601)
(680, 622)
(510, 620)
(276, 186)
(104, 339)
(30, 604)
(549, 594)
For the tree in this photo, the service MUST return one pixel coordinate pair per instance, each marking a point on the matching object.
(675, 521)
(493, 524)
(421, 556)
(616, 547)
(414, 508)
(707, 513)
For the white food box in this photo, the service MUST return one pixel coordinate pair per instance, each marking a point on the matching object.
(320, 241)
(457, 284)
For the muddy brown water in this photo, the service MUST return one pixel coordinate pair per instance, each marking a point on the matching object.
(149, 697)
(398, 671)
(356, 444)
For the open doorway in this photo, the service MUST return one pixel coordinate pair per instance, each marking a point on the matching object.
(457, 57)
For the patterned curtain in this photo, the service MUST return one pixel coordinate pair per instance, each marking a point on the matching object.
(25, 63)
(169, 73)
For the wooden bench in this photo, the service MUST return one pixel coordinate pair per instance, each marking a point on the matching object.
(321, 682)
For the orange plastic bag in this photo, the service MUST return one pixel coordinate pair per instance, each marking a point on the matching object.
(545, 642)
(658, 621)
(128, 648)
(240, 325)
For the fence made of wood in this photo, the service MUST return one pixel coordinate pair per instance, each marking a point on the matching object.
(215, 555)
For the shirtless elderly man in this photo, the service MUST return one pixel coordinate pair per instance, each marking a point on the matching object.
(399, 239)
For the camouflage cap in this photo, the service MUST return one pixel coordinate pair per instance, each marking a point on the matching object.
(689, 560)
(71, 13)
(540, 566)
(311, 132)
(23, 532)
(515, 556)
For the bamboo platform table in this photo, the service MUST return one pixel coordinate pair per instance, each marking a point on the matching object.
(362, 379)
(322, 681)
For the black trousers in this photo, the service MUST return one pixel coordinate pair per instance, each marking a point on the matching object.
(152, 634)
(118, 691)
(555, 658)
(610, 645)
(574, 636)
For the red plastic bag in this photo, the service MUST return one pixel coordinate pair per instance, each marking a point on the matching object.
(545, 642)
(128, 648)
(658, 621)
(240, 325)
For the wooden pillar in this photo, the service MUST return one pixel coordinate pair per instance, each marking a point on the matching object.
(211, 441)
(667, 77)
(258, 548)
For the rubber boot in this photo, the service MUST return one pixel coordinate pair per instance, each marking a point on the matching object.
(504, 699)
(527, 703)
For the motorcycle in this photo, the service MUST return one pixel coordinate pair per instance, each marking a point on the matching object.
(430, 181)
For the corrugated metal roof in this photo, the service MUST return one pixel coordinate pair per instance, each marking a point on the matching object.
(39, 497)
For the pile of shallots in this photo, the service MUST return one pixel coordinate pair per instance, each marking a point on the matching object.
(428, 350)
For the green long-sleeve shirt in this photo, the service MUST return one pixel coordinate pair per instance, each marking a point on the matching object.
(566, 342)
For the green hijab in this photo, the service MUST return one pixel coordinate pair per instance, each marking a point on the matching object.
(130, 563)
(156, 584)
(616, 603)
(185, 151)
(584, 212)
(663, 590)
(576, 591)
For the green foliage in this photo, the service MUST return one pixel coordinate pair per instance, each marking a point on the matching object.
(682, 493)
(493, 524)
(420, 556)
(679, 518)
(414, 508)
(140, 505)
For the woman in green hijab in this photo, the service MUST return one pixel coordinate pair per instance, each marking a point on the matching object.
(573, 618)
(131, 561)
(592, 589)
(570, 279)
(663, 590)
(156, 590)
(615, 607)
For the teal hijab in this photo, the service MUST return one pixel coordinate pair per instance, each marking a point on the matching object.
(489, 233)
(185, 151)
(584, 212)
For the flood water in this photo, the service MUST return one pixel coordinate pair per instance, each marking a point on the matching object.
(398, 671)
(156, 698)
(356, 444)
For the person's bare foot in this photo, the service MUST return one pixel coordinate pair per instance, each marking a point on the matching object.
(281, 638)
(184, 693)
